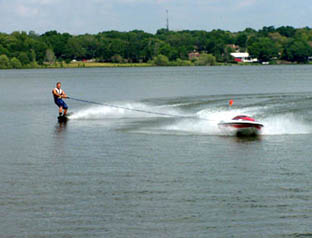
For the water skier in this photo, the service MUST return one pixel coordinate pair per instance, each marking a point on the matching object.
(58, 95)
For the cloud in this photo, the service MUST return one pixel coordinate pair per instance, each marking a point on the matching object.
(42, 2)
(246, 3)
(25, 11)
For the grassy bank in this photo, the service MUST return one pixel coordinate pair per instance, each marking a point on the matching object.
(80, 64)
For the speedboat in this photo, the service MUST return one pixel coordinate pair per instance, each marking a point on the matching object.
(241, 125)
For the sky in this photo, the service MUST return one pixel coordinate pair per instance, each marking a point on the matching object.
(93, 16)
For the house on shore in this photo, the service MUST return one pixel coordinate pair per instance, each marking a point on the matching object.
(193, 55)
(243, 57)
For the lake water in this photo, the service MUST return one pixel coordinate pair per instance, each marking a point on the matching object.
(112, 172)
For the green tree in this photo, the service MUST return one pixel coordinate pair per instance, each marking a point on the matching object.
(287, 31)
(4, 62)
(90, 44)
(74, 49)
(15, 63)
(3, 51)
(167, 50)
(19, 41)
(39, 48)
(117, 59)
(264, 49)
(118, 47)
(298, 51)
(23, 58)
(33, 56)
(56, 41)
(227, 54)
(200, 40)
(205, 60)
(180, 62)
(102, 51)
(151, 48)
(161, 60)
(135, 45)
(50, 57)
(266, 30)
(162, 31)
(241, 40)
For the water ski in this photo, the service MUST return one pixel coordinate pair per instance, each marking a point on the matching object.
(64, 119)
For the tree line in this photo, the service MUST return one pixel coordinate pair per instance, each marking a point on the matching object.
(285, 44)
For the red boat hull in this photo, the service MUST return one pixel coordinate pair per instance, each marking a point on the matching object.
(241, 126)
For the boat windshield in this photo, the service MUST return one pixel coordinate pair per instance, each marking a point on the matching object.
(243, 117)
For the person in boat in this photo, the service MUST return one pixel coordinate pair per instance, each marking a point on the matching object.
(58, 95)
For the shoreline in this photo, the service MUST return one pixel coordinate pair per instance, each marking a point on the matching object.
(81, 64)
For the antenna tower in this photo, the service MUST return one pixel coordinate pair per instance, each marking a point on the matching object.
(167, 20)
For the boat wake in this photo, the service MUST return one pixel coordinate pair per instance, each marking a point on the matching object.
(287, 124)
(197, 116)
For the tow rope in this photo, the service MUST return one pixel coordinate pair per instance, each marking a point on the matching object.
(136, 110)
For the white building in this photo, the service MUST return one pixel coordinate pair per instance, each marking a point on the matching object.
(243, 57)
